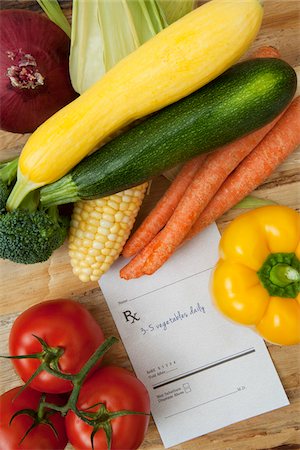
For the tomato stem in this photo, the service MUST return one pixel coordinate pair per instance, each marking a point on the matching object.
(78, 379)
(100, 419)
(38, 417)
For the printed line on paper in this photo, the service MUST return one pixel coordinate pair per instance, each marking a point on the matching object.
(203, 403)
(206, 367)
(167, 285)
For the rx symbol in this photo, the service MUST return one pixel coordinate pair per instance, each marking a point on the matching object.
(129, 316)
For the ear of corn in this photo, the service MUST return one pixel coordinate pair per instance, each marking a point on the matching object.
(177, 61)
(99, 230)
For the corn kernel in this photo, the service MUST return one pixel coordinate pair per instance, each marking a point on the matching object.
(93, 251)
(104, 231)
(99, 229)
(123, 206)
(100, 258)
(109, 259)
(108, 217)
(94, 277)
(105, 223)
(99, 237)
(118, 216)
(114, 204)
(115, 228)
(98, 245)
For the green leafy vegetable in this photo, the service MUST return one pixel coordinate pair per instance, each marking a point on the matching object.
(54, 12)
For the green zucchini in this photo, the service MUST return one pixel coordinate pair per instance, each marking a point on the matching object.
(241, 100)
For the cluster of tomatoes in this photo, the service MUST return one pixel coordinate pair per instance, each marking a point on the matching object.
(65, 335)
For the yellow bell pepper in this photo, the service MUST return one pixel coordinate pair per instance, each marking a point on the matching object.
(257, 280)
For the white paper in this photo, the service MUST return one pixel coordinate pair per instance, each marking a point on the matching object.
(202, 371)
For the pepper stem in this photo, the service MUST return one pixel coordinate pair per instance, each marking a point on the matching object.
(280, 275)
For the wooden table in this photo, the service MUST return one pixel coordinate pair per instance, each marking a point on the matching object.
(23, 286)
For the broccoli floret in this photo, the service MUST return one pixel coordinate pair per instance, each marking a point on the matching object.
(30, 237)
(29, 234)
(4, 194)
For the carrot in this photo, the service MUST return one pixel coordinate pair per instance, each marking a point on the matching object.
(209, 177)
(163, 210)
(282, 140)
(266, 52)
(206, 183)
(134, 269)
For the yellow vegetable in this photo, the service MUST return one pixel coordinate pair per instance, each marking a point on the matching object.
(177, 61)
(257, 279)
(99, 230)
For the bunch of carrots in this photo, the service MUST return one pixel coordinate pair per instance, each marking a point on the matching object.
(208, 186)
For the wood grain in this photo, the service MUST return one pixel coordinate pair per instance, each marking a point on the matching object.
(22, 286)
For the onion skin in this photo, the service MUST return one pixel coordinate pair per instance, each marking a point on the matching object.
(23, 32)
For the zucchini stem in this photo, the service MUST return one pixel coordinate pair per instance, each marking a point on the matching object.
(58, 193)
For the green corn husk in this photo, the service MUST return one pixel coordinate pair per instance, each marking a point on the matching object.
(55, 14)
(86, 55)
(105, 31)
(118, 31)
(173, 10)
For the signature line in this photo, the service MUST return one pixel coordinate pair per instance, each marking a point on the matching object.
(200, 404)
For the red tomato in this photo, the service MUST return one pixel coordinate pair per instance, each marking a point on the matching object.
(118, 389)
(60, 323)
(40, 437)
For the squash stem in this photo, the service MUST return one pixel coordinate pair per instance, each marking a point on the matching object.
(22, 187)
(58, 193)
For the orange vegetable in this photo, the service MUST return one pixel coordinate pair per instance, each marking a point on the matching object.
(266, 52)
(163, 210)
(208, 179)
(135, 268)
(206, 183)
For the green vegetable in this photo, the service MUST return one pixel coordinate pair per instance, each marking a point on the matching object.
(55, 14)
(29, 234)
(104, 32)
(30, 237)
(253, 202)
(243, 99)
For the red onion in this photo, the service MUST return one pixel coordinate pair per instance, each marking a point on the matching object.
(34, 70)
